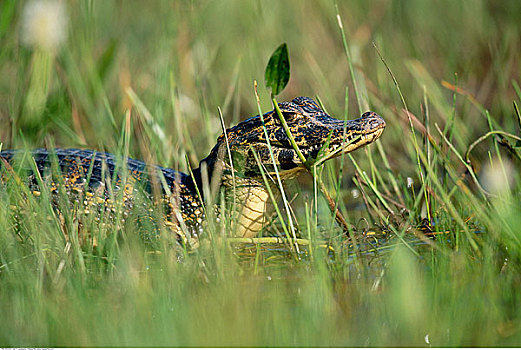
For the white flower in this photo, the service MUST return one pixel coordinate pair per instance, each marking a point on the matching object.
(44, 24)
(497, 176)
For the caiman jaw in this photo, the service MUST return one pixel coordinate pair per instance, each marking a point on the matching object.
(335, 138)
(355, 134)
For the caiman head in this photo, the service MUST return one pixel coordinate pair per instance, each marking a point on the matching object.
(318, 136)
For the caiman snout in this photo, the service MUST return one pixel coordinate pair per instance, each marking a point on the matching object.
(372, 121)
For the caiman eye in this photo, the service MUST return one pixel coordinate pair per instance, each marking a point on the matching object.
(288, 116)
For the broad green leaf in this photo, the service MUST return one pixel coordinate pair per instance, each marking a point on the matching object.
(277, 70)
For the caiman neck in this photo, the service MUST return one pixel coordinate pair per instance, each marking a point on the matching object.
(251, 204)
(251, 197)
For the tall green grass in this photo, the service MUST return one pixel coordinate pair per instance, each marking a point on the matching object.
(145, 79)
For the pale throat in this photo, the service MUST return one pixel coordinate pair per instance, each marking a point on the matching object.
(251, 204)
(250, 198)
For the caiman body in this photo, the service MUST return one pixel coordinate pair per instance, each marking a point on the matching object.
(231, 164)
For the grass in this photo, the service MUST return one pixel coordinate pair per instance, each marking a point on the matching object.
(146, 79)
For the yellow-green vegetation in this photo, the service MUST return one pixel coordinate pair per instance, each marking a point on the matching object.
(433, 206)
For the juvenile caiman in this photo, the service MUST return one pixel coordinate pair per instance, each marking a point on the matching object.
(231, 164)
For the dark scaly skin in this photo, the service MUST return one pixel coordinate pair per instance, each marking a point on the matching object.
(96, 178)
(310, 126)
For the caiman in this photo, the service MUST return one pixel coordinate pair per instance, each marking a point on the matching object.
(231, 164)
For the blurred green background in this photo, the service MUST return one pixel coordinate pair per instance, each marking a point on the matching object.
(200, 55)
(170, 65)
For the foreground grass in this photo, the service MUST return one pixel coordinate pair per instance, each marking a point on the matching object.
(58, 294)
(111, 87)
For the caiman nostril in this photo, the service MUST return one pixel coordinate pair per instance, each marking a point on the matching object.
(379, 123)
